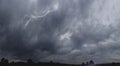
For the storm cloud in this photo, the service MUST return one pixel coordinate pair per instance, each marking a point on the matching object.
(66, 31)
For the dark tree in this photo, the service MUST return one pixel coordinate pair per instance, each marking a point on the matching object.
(29, 61)
(87, 63)
(6, 61)
(51, 61)
(91, 62)
(3, 60)
(83, 64)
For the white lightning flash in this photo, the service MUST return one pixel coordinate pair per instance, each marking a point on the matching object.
(33, 17)
(55, 7)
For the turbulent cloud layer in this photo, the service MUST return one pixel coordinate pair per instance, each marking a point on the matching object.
(67, 31)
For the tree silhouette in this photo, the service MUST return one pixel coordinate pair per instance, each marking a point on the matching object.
(3, 60)
(91, 62)
(30, 61)
(83, 64)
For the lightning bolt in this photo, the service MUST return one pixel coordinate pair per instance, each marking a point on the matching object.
(49, 10)
(33, 17)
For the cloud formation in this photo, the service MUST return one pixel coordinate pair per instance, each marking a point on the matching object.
(68, 31)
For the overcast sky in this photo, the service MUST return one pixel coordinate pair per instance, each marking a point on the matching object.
(66, 31)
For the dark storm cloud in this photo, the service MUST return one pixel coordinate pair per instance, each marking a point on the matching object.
(16, 39)
(69, 31)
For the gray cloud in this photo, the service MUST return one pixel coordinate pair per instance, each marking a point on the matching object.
(68, 31)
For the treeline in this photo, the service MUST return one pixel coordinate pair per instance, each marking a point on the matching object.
(29, 62)
(5, 61)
